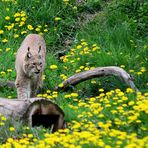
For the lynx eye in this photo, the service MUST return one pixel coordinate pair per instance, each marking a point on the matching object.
(40, 63)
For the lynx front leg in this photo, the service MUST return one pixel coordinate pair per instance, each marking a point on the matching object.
(36, 84)
(23, 89)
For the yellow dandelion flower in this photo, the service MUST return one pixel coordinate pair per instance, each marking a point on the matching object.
(16, 36)
(78, 70)
(1, 31)
(2, 123)
(86, 68)
(7, 49)
(4, 40)
(143, 69)
(2, 73)
(122, 66)
(65, 1)
(74, 94)
(30, 27)
(129, 90)
(21, 23)
(75, 8)
(17, 14)
(7, 18)
(37, 29)
(23, 32)
(45, 30)
(101, 90)
(131, 70)
(79, 46)
(23, 19)
(12, 129)
(53, 67)
(9, 70)
(139, 73)
(17, 19)
(30, 135)
(57, 18)
(3, 118)
(10, 140)
(61, 85)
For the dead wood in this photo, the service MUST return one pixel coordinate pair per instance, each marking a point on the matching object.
(99, 72)
(34, 112)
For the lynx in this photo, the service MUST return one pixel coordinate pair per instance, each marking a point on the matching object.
(29, 65)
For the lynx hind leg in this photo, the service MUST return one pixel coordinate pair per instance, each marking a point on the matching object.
(23, 89)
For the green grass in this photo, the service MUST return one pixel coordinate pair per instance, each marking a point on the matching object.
(98, 118)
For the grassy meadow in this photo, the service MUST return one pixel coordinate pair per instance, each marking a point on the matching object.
(101, 112)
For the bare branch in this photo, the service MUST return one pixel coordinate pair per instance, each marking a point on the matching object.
(99, 72)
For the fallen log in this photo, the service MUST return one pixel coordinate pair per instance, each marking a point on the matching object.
(34, 112)
(99, 72)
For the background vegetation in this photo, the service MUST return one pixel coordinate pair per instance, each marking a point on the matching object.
(93, 33)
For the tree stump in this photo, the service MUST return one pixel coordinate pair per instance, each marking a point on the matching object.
(34, 112)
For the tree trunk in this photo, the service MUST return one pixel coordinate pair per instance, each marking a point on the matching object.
(34, 111)
(99, 72)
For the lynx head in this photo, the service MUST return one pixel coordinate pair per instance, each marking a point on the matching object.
(34, 64)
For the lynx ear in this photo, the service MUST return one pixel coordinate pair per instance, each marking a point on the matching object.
(28, 55)
(39, 49)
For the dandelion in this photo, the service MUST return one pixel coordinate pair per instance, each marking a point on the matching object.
(17, 14)
(53, 67)
(139, 73)
(57, 19)
(10, 140)
(30, 27)
(75, 8)
(101, 90)
(9, 70)
(142, 69)
(3, 118)
(78, 70)
(7, 18)
(43, 77)
(74, 94)
(12, 129)
(81, 67)
(131, 70)
(1, 31)
(7, 49)
(4, 40)
(65, 1)
(17, 19)
(45, 30)
(37, 29)
(24, 32)
(30, 136)
(61, 85)
(16, 36)
(79, 46)
(93, 82)
(86, 68)
(122, 66)
(2, 123)
(129, 90)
